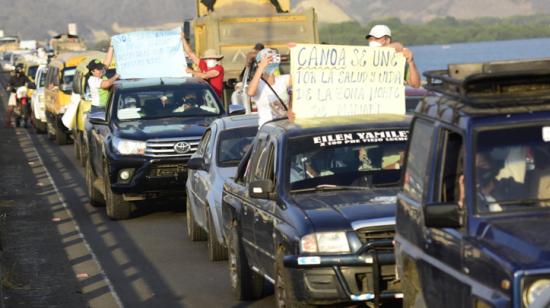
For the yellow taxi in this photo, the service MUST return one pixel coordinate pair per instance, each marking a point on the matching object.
(58, 91)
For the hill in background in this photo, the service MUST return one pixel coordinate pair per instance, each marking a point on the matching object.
(101, 18)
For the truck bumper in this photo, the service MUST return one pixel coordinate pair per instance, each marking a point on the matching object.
(146, 176)
(367, 275)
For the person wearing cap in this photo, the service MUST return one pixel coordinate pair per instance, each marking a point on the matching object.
(210, 68)
(99, 83)
(271, 93)
(380, 36)
(17, 79)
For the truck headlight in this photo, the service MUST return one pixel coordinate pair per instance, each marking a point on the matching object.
(325, 242)
(534, 290)
(128, 147)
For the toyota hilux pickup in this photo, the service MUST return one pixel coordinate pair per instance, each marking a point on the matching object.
(312, 210)
(139, 146)
(474, 209)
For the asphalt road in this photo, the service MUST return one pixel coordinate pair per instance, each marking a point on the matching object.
(146, 261)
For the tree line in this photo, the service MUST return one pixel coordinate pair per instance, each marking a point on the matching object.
(445, 30)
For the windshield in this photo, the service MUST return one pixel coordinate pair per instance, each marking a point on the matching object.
(167, 102)
(68, 75)
(512, 167)
(233, 144)
(356, 159)
(32, 71)
(42, 78)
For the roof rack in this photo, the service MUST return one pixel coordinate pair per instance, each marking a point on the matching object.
(494, 84)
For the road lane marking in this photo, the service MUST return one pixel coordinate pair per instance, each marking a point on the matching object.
(80, 234)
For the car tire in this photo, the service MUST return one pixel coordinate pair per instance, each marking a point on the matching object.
(116, 207)
(245, 283)
(216, 251)
(49, 130)
(412, 291)
(194, 231)
(284, 295)
(96, 198)
(61, 137)
(83, 152)
(76, 146)
(39, 126)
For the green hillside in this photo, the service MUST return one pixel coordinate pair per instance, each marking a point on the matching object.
(443, 30)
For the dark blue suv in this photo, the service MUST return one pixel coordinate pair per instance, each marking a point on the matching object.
(475, 198)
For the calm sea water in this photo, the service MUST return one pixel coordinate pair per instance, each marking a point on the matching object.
(431, 57)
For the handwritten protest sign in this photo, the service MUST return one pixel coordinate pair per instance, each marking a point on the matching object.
(331, 80)
(149, 54)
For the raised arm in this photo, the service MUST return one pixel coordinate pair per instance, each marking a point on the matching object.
(105, 84)
(414, 75)
(189, 51)
(109, 56)
(253, 85)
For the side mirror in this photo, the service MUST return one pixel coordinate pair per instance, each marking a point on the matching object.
(261, 189)
(196, 163)
(442, 215)
(98, 118)
(236, 109)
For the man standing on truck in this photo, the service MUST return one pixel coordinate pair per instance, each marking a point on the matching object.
(99, 83)
(380, 36)
(210, 68)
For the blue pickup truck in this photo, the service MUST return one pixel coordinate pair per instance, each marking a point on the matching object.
(312, 210)
(474, 208)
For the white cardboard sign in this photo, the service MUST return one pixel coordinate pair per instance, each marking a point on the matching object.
(334, 80)
(150, 54)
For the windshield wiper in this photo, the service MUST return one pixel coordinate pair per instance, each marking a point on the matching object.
(328, 187)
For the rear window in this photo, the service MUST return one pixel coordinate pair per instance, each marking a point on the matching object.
(233, 144)
(68, 75)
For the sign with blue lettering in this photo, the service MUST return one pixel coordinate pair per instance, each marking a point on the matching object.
(333, 80)
(150, 54)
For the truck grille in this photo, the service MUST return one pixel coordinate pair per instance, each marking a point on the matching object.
(375, 233)
(175, 147)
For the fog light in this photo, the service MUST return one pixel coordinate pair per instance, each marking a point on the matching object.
(125, 174)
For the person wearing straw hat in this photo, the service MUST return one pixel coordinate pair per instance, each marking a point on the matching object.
(210, 68)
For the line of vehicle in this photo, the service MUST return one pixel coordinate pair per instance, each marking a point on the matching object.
(80, 234)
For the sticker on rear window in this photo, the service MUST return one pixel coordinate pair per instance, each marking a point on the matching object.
(361, 137)
(546, 133)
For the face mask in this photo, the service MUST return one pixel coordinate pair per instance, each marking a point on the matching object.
(211, 63)
(271, 67)
(375, 44)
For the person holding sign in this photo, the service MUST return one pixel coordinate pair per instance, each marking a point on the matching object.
(380, 36)
(270, 92)
(99, 83)
(210, 68)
